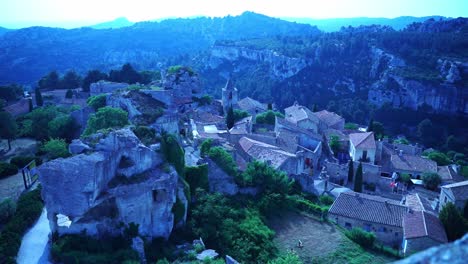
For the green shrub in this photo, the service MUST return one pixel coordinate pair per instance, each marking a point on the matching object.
(440, 158)
(173, 152)
(326, 200)
(21, 161)
(363, 238)
(268, 117)
(431, 180)
(204, 100)
(97, 101)
(351, 126)
(205, 146)
(239, 114)
(28, 210)
(197, 177)
(147, 135)
(131, 231)
(7, 209)
(56, 148)
(224, 160)
(305, 205)
(178, 209)
(7, 169)
(106, 117)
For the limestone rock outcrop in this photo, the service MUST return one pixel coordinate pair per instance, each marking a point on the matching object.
(120, 181)
(106, 87)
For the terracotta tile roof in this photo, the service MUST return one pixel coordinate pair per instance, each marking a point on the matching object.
(265, 152)
(459, 189)
(248, 104)
(294, 129)
(413, 163)
(363, 140)
(369, 208)
(18, 108)
(329, 118)
(297, 113)
(329, 132)
(418, 224)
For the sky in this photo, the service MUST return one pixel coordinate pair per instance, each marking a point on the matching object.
(72, 13)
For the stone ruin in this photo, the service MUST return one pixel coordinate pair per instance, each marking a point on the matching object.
(115, 180)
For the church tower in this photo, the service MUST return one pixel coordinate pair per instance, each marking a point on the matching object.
(229, 95)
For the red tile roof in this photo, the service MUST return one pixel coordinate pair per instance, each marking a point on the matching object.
(329, 118)
(418, 224)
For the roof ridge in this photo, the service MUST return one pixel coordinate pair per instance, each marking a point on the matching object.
(424, 222)
(364, 138)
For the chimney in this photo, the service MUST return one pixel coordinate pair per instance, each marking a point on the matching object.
(400, 153)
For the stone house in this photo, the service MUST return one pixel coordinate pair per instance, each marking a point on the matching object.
(302, 117)
(330, 120)
(422, 230)
(383, 217)
(251, 106)
(456, 193)
(449, 174)
(415, 166)
(250, 150)
(362, 147)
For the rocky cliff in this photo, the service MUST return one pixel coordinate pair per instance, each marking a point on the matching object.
(118, 180)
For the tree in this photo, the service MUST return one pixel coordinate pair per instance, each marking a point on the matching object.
(268, 117)
(239, 114)
(69, 94)
(97, 101)
(440, 158)
(378, 129)
(230, 118)
(31, 107)
(270, 106)
(39, 100)
(335, 144)
(8, 127)
(92, 77)
(56, 148)
(50, 81)
(350, 171)
(62, 126)
(426, 132)
(453, 222)
(71, 80)
(370, 127)
(314, 108)
(106, 117)
(358, 180)
(11, 92)
(431, 180)
(173, 152)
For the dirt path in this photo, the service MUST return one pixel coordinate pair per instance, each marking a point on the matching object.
(11, 187)
(318, 238)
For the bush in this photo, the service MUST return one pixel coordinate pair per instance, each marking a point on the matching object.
(29, 208)
(7, 209)
(147, 135)
(173, 152)
(440, 158)
(21, 161)
(106, 117)
(224, 160)
(326, 200)
(268, 117)
(363, 238)
(305, 205)
(205, 146)
(7, 169)
(56, 148)
(351, 126)
(239, 114)
(197, 177)
(431, 180)
(97, 101)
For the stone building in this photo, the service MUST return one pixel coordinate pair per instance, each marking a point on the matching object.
(251, 106)
(106, 87)
(330, 120)
(383, 217)
(422, 230)
(456, 193)
(229, 96)
(302, 117)
(362, 147)
(415, 166)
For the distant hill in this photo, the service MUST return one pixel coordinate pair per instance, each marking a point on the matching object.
(117, 23)
(3, 30)
(28, 54)
(335, 24)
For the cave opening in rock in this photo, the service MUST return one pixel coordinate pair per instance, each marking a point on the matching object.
(125, 162)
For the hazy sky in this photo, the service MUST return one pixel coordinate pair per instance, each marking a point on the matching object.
(67, 13)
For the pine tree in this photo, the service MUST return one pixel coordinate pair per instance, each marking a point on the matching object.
(230, 118)
(314, 108)
(350, 171)
(371, 125)
(358, 180)
(452, 221)
(8, 127)
(39, 100)
(31, 107)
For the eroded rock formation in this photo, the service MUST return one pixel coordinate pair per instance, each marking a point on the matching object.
(119, 181)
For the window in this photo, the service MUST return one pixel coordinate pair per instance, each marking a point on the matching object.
(445, 199)
(367, 227)
(230, 95)
(382, 229)
(348, 225)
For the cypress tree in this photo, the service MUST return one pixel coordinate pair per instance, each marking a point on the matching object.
(230, 118)
(371, 125)
(358, 180)
(350, 171)
(31, 107)
(39, 100)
